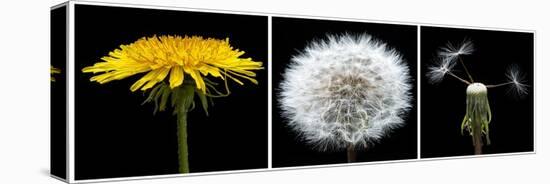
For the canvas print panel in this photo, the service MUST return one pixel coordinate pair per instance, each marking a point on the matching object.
(58, 92)
(168, 92)
(477, 92)
(343, 92)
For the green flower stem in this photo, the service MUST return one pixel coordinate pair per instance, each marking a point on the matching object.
(181, 99)
(183, 154)
(476, 137)
(185, 94)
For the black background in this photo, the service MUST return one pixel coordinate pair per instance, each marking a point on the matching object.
(58, 93)
(290, 36)
(443, 105)
(116, 136)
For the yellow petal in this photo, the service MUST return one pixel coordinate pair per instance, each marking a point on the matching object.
(149, 76)
(161, 74)
(198, 80)
(176, 76)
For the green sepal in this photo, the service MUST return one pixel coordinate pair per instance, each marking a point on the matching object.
(203, 99)
(162, 95)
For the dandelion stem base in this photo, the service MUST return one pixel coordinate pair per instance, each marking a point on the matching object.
(352, 156)
(183, 154)
(478, 148)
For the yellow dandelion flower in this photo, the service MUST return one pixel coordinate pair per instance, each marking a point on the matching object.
(186, 62)
(54, 70)
(174, 57)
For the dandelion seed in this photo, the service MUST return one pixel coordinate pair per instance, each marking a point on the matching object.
(452, 51)
(345, 92)
(436, 73)
(517, 80)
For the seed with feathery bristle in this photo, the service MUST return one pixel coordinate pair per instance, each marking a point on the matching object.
(436, 72)
(452, 51)
(517, 80)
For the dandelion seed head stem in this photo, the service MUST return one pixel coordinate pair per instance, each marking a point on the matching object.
(478, 114)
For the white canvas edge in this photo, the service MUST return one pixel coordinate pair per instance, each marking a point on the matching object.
(71, 95)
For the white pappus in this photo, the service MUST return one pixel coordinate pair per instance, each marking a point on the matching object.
(345, 91)
(437, 72)
(452, 51)
(517, 79)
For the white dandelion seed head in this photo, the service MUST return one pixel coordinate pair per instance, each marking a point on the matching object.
(452, 51)
(517, 79)
(436, 72)
(476, 89)
(345, 91)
